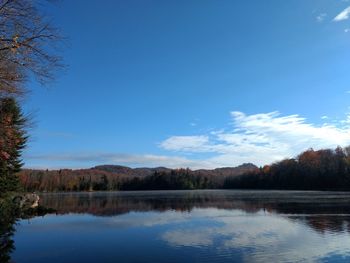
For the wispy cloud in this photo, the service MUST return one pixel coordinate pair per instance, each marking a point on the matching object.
(343, 15)
(261, 138)
(135, 160)
(321, 17)
(186, 143)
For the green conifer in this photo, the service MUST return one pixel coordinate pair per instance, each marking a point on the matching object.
(12, 142)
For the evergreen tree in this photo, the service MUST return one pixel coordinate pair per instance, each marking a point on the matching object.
(12, 141)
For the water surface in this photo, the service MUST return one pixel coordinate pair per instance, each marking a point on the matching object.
(188, 226)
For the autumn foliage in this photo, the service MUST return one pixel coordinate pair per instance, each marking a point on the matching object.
(312, 170)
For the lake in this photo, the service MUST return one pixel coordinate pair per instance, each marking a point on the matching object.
(188, 226)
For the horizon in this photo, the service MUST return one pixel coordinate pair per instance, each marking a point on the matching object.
(141, 167)
(196, 85)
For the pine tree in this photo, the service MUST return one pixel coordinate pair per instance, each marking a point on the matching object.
(12, 141)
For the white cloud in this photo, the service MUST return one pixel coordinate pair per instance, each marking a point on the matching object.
(258, 138)
(321, 17)
(261, 238)
(185, 143)
(261, 138)
(343, 15)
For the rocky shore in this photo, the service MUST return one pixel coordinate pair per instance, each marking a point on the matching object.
(25, 201)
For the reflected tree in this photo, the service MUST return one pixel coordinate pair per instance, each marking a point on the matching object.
(8, 216)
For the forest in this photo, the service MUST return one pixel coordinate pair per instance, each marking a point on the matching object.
(324, 169)
(113, 178)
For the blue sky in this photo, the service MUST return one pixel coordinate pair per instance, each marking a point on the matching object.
(197, 84)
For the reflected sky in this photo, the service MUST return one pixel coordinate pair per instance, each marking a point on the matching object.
(188, 226)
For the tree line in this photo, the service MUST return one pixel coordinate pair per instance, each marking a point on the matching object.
(98, 180)
(324, 169)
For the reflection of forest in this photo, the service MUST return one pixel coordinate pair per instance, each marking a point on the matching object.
(323, 211)
(10, 213)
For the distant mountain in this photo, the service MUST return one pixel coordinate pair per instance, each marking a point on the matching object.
(228, 171)
(127, 171)
(117, 177)
(124, 170)
(116, 169)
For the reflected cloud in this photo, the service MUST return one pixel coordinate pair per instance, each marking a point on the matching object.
(148, 219)
(322, 211)
(262, 239)
(250, 226)
(189, 238)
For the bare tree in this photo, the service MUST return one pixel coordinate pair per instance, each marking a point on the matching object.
(28, 45)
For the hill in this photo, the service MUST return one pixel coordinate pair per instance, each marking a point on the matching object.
(116, 177)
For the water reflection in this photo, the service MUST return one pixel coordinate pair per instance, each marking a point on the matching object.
(7, 220)
(188, 226)
(10, 213)
(323, 211)
(262, 239)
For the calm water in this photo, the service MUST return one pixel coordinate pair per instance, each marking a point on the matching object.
(188, 226)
